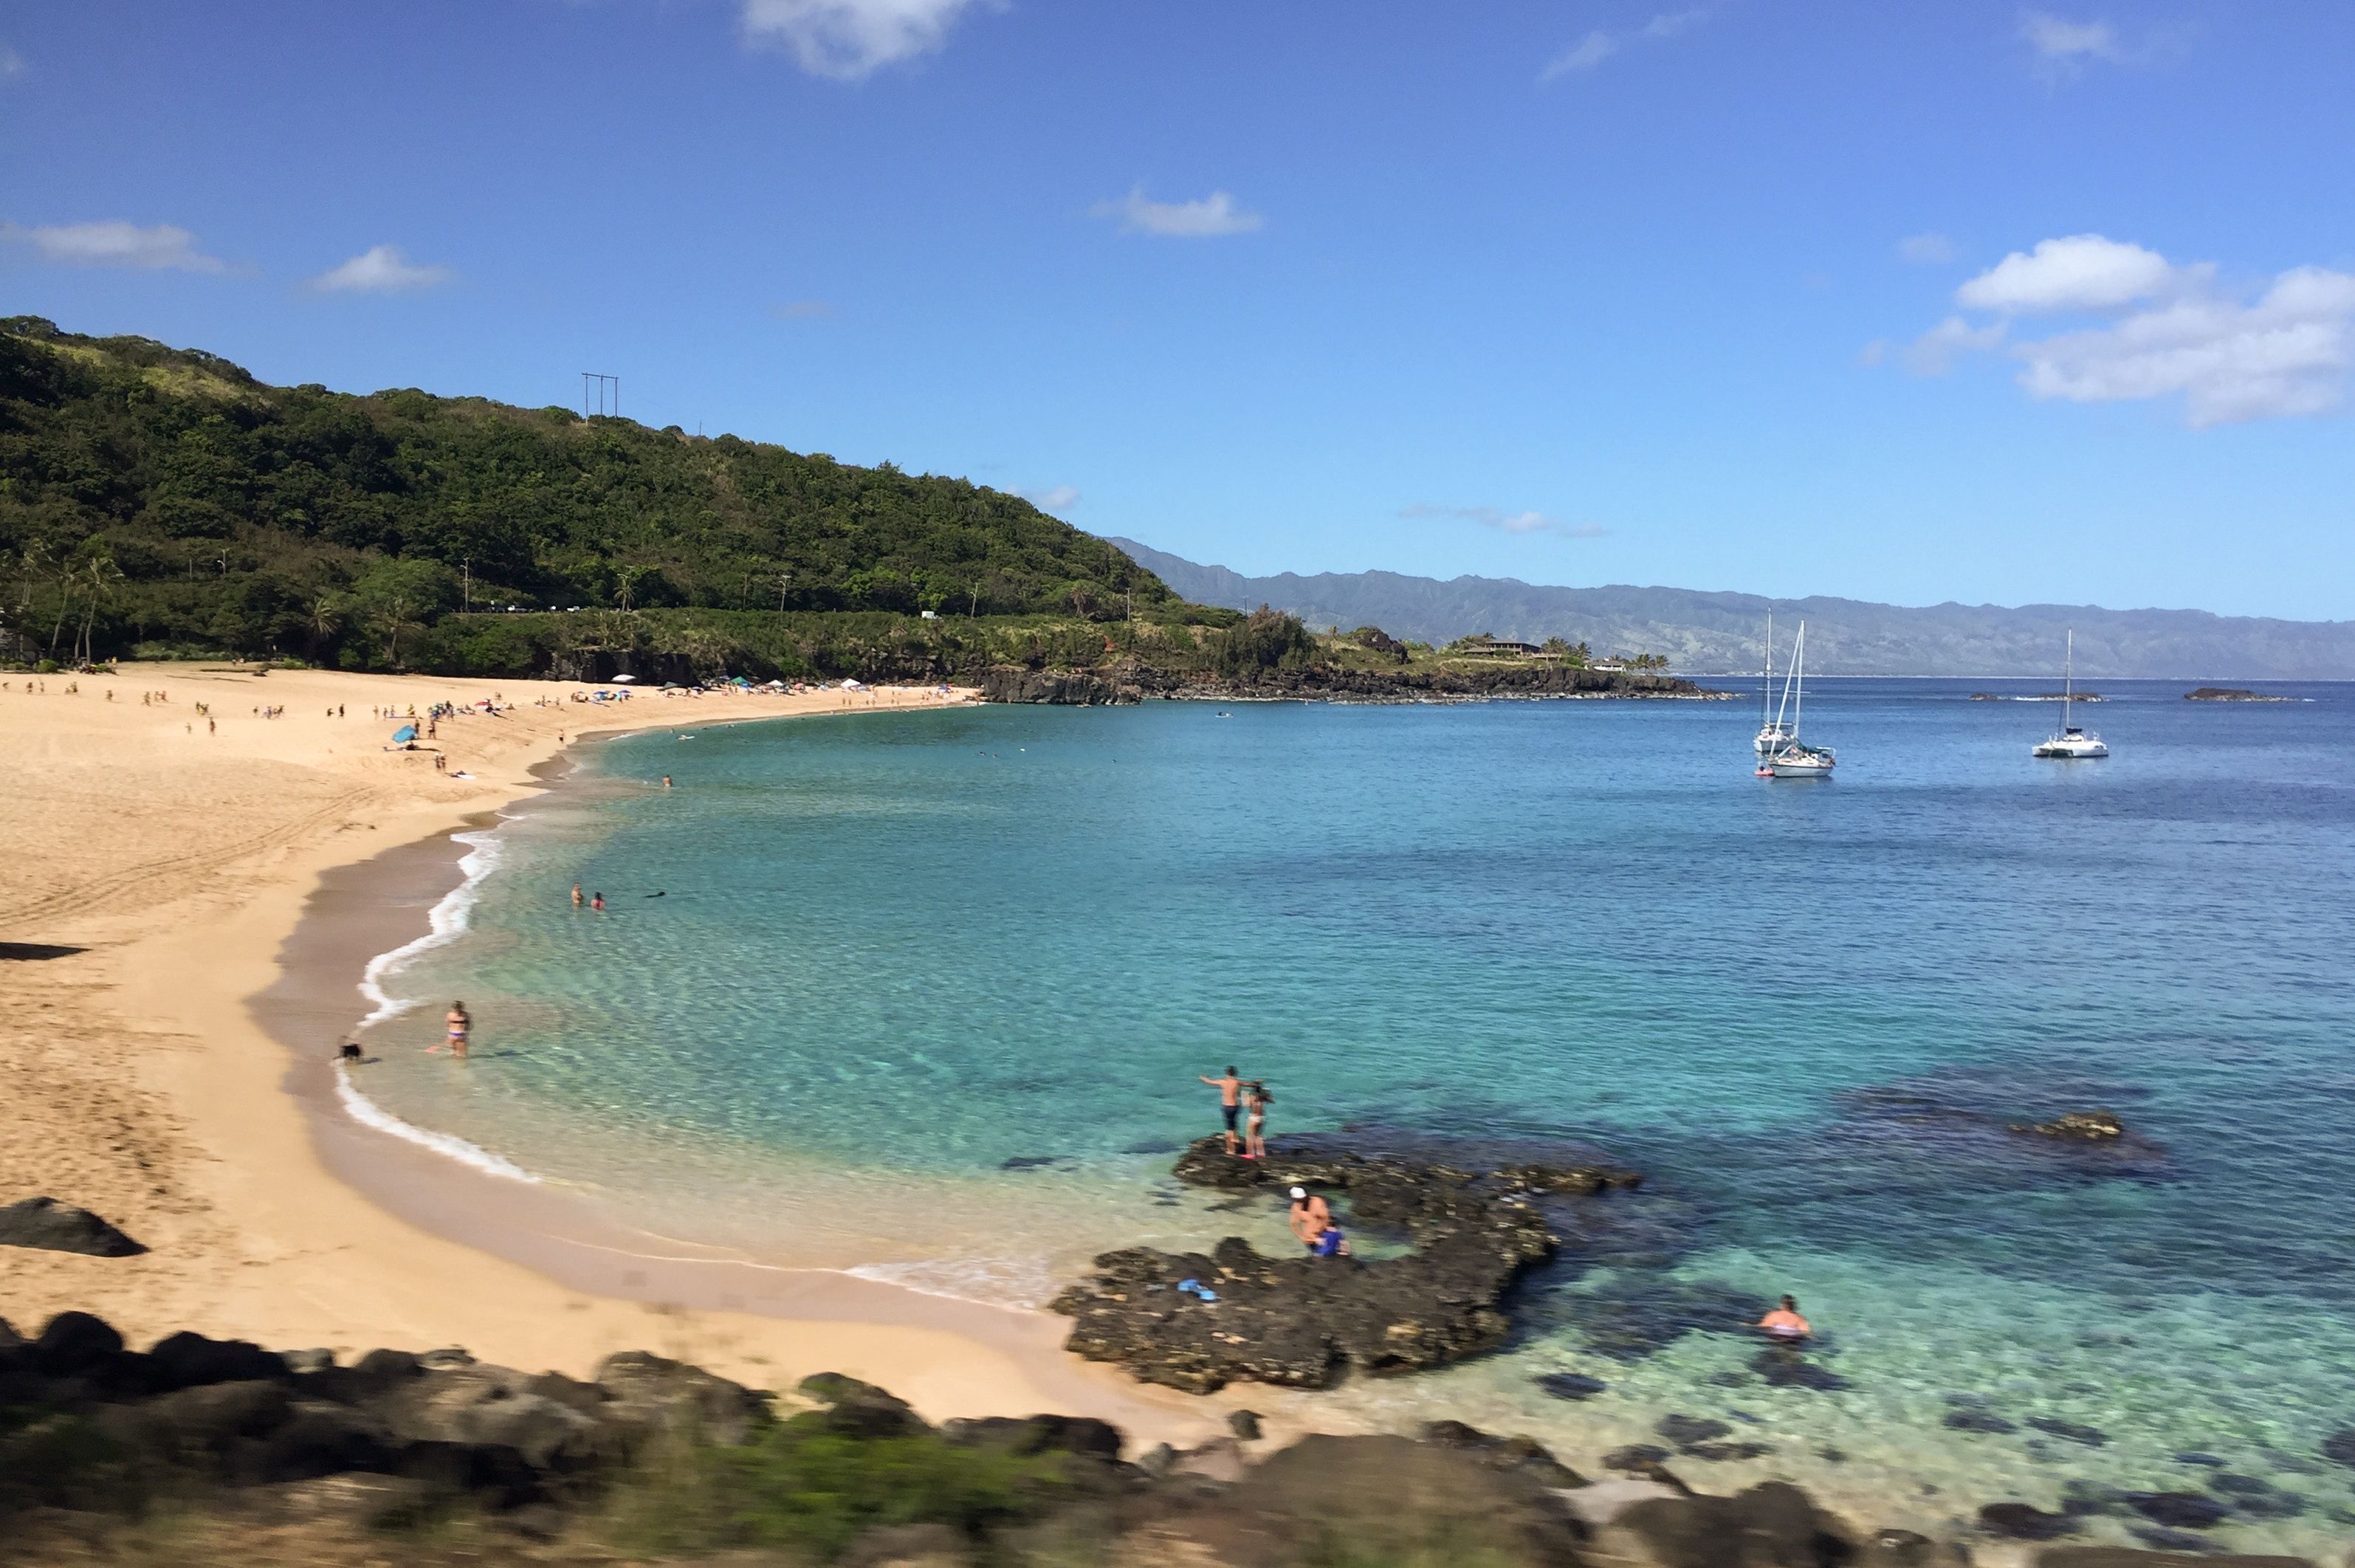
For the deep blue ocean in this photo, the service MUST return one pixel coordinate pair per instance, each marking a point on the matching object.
(892, 954)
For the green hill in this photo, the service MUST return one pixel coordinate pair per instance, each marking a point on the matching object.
(161, 500)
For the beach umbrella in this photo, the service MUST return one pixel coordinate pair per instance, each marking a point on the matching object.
(406, 733)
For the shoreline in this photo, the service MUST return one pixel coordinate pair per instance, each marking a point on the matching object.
(183, 1086)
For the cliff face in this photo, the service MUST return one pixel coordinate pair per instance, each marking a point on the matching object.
(1132, 682)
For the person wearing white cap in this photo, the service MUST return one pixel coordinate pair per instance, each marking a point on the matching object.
(1311, 1218)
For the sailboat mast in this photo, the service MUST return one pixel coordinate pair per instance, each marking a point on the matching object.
(1767, 672)
(1799, 665)
(2068, 679)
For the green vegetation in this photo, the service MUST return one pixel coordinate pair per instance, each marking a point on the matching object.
(799, 1486)
(164, 501)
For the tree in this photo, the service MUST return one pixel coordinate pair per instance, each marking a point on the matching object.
(400, 597)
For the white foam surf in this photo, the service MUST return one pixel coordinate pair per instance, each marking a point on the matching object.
(368, 1114)
(446, 921)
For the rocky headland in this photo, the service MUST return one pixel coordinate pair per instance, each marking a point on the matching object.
(2232, 694)
(1130, 681)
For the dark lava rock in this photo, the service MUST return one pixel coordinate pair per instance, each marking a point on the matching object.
(73, 1343)
(1297, 1321)
(1831, 1455)
(1244, 1423)
(1634, 1458)
(2168, 1542)
(1720, 1452)
(2240, 1485)
(856, 1408)
(2339, 1448)
(1682, 1430)
(1523, 1456)
(1978, 1421)
(1785, 1368)
(2021, 1521)
(2182, 1511)
(1081, 1436)
(1774, 1525)
(2091, 1436)
(2085, 1126)
(1031, 1162)
(52, 1226)
(1570, 1385)
(653, 1394)
(2196, 1459)
(188, 1361)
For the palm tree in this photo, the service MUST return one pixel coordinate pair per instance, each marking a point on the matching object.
(99, 575)
(323, 619)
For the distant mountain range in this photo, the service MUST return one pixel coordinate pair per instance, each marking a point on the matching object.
(1718, 633)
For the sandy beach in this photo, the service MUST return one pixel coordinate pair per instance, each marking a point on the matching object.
(189, 898)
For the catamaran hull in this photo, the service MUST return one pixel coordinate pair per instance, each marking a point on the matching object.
(1797, 771)
(2074, 751)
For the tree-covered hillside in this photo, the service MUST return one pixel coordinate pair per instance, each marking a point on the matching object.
(161, 497)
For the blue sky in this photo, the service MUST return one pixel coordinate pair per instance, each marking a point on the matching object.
(1909, 302)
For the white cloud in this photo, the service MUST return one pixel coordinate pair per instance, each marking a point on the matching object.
(1934, 352)
(2084, 272)
(2286, 352)
(2161, 329)
(1055, 498)
(1508, 522)
(2060, 41)
(1204, 219)
(803, 310)
(379, 269)
(851, 39)
(114, 243)
(1585, 54)
(1927, 250)
(1601, 44)
(11, 63)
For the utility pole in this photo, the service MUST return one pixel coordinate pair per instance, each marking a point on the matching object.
(466, 586)
(783, 579)
(604, 390)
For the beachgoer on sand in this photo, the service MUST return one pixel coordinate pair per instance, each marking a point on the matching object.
(1256, 1100)
(1786, 1324)
(1230, 1090)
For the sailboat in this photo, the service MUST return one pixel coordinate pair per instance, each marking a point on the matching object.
(1791, 759)
(1772, 735)
(2070, 744)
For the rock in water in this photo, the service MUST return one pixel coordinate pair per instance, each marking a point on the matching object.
(2023, 1522)
(1978, 1421)
(2339, 1448)
(1297, 1321)
(1244, 1423)
(1570, 1385)
(2085, 1126)
(58, 1226)
(1685, 1430)
(2091, 1436)
(2182, 1511)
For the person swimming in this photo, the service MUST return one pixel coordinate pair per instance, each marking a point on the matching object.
(1786, 1324)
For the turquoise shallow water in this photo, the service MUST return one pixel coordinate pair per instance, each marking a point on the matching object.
(894, 953)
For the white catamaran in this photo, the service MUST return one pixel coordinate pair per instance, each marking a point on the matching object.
(1791, 759)
(2072, 743)
(1773, 733)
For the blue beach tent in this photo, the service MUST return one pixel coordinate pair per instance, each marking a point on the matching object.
(406, 733)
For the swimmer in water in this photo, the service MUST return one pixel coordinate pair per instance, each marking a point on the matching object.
(1786, 1324)
(460, 1025)
(597, 900)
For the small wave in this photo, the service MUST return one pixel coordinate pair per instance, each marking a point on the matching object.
(368, 1114)
(446, 923)
(991, 1282)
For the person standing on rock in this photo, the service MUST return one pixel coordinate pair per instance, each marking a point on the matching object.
(1256, 1100)
(1230, 1091)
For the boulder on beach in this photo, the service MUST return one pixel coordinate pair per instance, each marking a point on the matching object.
(52, 1226)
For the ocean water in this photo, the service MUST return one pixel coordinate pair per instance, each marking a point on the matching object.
(926, 996)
